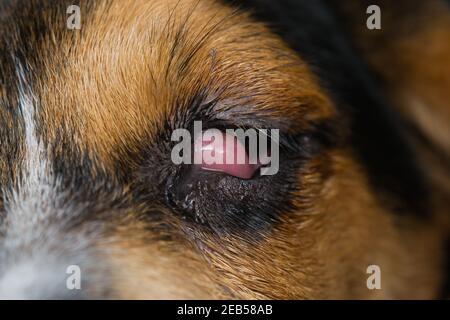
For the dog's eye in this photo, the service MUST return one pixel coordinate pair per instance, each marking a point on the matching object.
(222, 152)
(233, 197)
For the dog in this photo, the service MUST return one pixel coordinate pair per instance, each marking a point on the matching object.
(87, 180)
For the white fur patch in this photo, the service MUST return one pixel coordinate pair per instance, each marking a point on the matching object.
(36, 243)
(29, 202)
(29, 249)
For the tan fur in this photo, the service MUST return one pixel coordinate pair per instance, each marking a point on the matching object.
(319, 253)
(410, 56)
(115, 82)
(118, 74)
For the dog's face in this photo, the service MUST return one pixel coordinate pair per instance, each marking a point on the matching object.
(86, 118)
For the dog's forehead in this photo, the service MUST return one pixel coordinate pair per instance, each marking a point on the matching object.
(108, 85)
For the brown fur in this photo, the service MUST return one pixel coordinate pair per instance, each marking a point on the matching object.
(120, 91)
(417, 55)
(410, 56)
(121, 74)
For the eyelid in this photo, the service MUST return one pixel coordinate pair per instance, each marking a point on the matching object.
(214, 149)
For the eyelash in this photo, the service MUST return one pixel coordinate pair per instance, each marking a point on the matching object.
(201, 107)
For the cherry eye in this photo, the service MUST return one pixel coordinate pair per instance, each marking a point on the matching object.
(217, 151)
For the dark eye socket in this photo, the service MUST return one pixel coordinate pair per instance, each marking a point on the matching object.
(227, 203)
